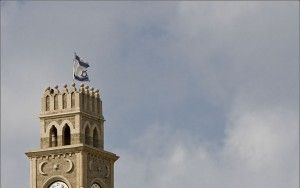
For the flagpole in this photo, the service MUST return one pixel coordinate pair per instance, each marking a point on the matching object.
(73, 73)
(73, 67)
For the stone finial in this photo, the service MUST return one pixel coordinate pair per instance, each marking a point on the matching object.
(48, 88)
(73, 88)
(56, 90)
(65, 88)
(92, 93)
(97, 93)
(51, 91)
(87, 91)
(81, 89)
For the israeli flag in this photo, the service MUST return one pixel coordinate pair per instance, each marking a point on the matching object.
(79, 69)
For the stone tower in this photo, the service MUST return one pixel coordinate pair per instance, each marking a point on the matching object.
(71, 153)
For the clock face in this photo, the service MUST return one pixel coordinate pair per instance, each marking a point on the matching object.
(95, 185)
(58, 184)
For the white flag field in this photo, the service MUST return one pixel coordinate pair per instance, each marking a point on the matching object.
(80, 69)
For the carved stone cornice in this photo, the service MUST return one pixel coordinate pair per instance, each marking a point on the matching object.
(76, 148)
(59, 120)
(70, 113)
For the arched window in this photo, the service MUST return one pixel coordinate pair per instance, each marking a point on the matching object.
(66, 135)
(55, 102)
(73, 100)
(53, 136)
(95, 138)
(47, 103)
(87, 135)
(64, 101)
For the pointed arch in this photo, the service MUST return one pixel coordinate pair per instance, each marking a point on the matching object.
(47, 103)
(66, 133)
(64, 101)
(55, 102)
(72, 99)
(95, 137)
(53, 137)
(87, 135)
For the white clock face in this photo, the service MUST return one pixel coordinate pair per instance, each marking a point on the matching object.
(95, 185)
(58, 184)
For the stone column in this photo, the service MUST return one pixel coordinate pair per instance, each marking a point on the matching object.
(33, 173)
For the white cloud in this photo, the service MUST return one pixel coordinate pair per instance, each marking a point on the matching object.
(239, 58)
(260, 150)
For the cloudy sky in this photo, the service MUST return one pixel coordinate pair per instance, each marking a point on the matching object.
(195, 94)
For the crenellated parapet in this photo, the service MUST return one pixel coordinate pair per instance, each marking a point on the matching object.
(67, 99)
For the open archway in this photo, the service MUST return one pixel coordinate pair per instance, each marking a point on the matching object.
(53, 136)
(66, 135)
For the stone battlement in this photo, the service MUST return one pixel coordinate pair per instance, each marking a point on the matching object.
(85, 99)
(82, 89)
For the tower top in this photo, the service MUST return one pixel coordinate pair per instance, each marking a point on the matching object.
(71, 152)
(82, 89)
(84, 99)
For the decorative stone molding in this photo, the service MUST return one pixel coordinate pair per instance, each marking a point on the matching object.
(60, 120)
(53, 163)
(98, 167)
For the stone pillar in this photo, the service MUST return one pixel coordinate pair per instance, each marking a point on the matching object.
(33, 173)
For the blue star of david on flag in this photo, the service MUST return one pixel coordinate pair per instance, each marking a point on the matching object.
(79, 69)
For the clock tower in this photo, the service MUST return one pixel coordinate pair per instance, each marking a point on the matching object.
(71, 153)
